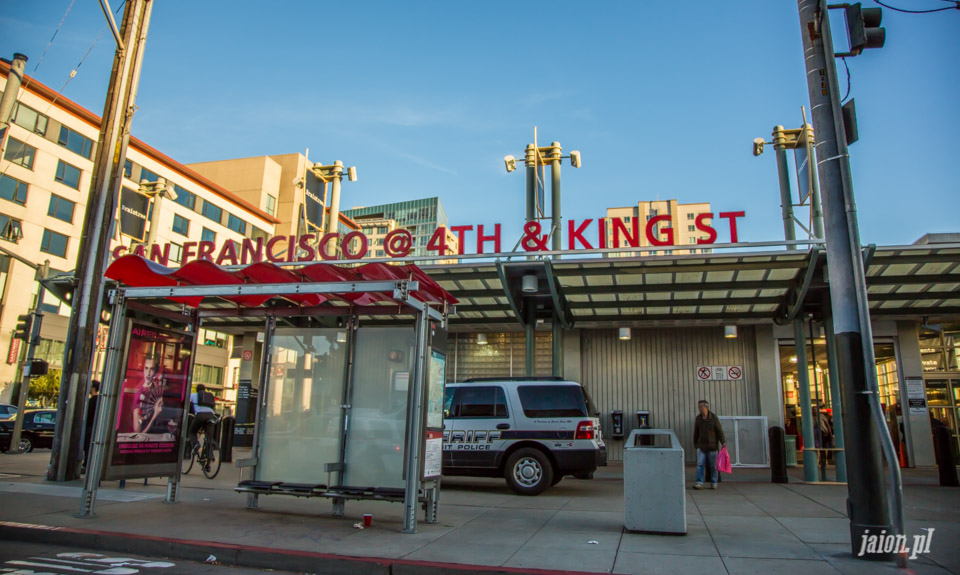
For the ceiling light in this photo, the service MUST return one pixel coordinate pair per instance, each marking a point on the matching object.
(793, 359)
(529, 284)
(730, 331)
(481, 339)
(624, 333)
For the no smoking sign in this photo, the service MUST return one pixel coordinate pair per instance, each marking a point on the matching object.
(719, 373)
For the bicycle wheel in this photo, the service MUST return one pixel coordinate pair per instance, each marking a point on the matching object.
(188, 458)
(211, 467)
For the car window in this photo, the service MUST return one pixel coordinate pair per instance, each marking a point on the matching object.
(448, 395)
(483, 401)
(47, 417)
(552, 400)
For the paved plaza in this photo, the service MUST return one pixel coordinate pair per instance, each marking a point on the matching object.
(747, 526)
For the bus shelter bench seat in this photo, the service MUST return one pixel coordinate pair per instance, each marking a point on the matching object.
(394, 494)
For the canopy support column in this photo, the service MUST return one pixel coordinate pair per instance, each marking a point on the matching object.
(414, 435)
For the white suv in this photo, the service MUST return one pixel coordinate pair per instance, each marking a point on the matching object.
(531, 431)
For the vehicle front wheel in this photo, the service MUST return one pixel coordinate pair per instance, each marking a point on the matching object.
(26, 444)
(528, 472)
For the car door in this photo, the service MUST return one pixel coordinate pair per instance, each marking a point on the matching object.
(44, 426)
(478, 417)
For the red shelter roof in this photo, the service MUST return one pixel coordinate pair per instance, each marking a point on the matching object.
(136, 271)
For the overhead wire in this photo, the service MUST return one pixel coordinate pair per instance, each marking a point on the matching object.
(956, 6)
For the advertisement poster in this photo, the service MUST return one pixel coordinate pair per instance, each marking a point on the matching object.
(151, 401)
(435, 378)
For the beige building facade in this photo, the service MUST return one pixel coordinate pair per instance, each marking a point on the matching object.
(682, 221)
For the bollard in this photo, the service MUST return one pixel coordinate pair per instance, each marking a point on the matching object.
(946, 460)
(778, 455)
(226, 438)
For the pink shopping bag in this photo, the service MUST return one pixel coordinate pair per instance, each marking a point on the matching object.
(723, 461)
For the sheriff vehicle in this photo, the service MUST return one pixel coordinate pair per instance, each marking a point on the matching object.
(530, 431)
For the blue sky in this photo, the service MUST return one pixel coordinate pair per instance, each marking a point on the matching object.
(663, 99)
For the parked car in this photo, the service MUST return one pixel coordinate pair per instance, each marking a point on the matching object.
(38, 430)
(7, 411)
(530, 431)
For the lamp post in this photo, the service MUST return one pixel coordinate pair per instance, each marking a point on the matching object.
(157, 191)
(333, 173)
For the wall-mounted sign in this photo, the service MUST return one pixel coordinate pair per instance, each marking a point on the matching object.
(916, 396)
(719, 372)
(581, 235)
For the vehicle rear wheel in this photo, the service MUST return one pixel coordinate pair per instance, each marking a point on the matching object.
(528, 472)
(26, 444)
(211, 467)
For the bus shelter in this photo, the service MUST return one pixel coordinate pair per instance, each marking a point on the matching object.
(350, 394)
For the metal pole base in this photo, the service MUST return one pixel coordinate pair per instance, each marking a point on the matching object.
(253, 501)
(338, 507)
(880, 536)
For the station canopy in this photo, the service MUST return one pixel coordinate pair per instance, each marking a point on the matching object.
(349, 294)
(915, 281)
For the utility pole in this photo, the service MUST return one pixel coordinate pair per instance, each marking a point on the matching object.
(98, 227)
(866, 499)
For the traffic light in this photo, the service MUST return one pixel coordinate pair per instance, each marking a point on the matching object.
(863, 28)
(24, 327)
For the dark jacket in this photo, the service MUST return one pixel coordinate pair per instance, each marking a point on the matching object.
(707, 432)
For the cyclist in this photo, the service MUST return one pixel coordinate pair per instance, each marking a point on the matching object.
(201, 404)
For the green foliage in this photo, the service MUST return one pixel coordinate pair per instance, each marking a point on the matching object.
(46, 388)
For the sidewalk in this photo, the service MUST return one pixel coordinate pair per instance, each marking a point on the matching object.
(748, 526)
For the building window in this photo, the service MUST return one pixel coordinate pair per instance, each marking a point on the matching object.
(271, 205)
(30, 119)
(691, 228)
(181, 225)
(54, 243)
(627, 219)
(213, 212)
(19, 153)
(127, 169)
(61, 208)
(148, 176)
(691, 240)
(13, 190)
(256, 232)
(68, 175)
(185, 198)
(208, 235)
(75, 142)
(11, 229)
(236, 224)
(176, 252)
(208, 374)
(213, 338)
(691, 216)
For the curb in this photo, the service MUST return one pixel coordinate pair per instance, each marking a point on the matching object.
(248, 555)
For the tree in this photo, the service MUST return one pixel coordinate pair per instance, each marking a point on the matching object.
(46, 388)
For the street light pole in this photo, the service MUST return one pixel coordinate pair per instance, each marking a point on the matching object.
(98, 226)
(866, 499)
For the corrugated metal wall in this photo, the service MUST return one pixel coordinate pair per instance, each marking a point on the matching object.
(504, 355)
(656, 371)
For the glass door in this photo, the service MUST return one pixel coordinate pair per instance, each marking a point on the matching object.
(301, 427)
(376, 427)
(943, 401)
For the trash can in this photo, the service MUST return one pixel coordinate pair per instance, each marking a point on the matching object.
(790, 442)
(226, 438)
(654, 492)
(643, 422)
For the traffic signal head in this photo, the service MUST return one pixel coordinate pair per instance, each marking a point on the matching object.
(24, 326)
(863, 28)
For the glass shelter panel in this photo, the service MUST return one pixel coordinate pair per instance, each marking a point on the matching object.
(383, 368)
(301, 425)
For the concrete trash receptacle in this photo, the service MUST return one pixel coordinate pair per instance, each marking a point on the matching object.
(654, 492)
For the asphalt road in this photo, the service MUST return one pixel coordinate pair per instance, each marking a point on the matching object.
(35, 559)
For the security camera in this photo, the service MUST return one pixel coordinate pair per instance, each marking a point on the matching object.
(511, 163)
(575, 158)
(757, 146)
(352, 173)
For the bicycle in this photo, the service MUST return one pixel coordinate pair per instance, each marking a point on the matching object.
(207, 454)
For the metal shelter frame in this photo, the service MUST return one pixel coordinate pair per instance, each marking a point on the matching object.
(140, 299)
